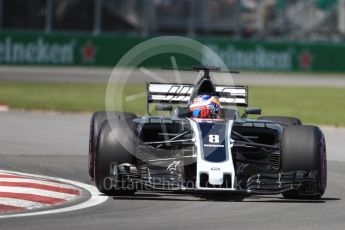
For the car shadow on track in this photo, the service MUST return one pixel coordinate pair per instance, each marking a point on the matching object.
(265, 199)
(218, 198)
(179, 197)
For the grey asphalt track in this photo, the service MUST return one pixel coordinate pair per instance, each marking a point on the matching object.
(99, 75)
(55, 144)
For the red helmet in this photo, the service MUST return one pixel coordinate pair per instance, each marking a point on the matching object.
(205, 106)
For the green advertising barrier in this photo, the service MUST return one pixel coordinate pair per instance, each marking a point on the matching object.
(24, 48)
(72, 50)
(279, 56)
(59, 49)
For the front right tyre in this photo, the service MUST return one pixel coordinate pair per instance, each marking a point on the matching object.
(304, 148)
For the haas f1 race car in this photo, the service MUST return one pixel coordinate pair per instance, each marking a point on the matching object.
(227, 153)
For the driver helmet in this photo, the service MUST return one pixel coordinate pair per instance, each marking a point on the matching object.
(206, 107)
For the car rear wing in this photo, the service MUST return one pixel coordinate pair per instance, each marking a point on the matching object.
(170, 93)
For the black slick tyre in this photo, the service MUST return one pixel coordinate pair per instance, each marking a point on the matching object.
(97, 120)
(115, 143)
(304, 148)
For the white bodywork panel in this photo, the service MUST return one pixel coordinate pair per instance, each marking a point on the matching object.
(214, 170)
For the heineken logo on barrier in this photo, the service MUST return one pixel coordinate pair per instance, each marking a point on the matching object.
(256, 58)
(305, 60)
(38, 51)
(88, 52)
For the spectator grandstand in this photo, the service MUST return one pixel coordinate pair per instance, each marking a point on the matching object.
(313, 20)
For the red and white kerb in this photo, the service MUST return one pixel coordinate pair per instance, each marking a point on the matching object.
(21, 193)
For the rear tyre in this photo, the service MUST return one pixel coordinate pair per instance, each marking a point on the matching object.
(115, 143)
(97, 120)
(304, 148)
(287, 121)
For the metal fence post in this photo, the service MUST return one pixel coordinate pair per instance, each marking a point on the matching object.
(204, 15)
(341, 16)
(192, 18)
(148, 22)
(1, 14)
(49, 16)
(238, 24)
(97, 27)
(261, 16)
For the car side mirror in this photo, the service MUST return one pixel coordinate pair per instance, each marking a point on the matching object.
(253, 111)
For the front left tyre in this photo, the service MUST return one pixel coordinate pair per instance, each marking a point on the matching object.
(115, 143)
(97, 120)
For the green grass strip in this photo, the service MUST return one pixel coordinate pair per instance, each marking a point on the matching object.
(314, 105)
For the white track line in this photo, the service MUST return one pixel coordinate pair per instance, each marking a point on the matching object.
(38, 181)
(35, 191)
(94, 200)
(6, 174)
